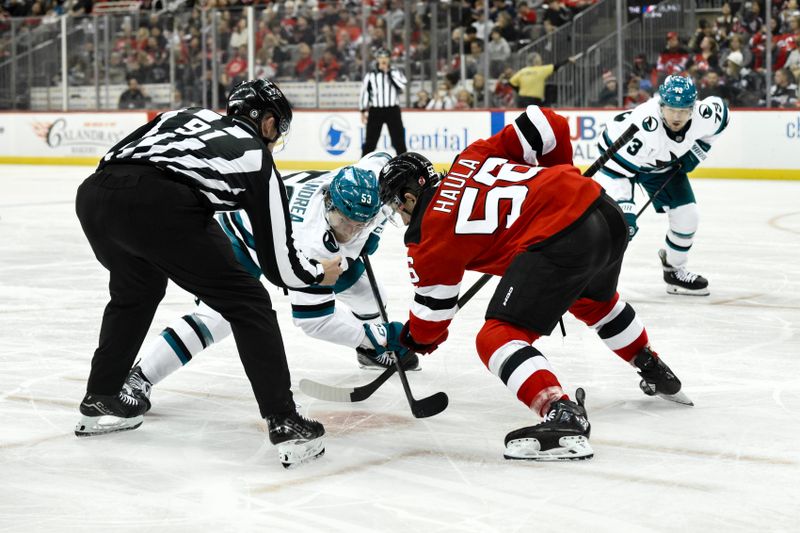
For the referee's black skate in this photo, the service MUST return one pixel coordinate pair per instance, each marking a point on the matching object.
(369, 359)
(103, 414)
(562, 435)
(136, 384)
(657, 378)
(681, 281)
(298, 439)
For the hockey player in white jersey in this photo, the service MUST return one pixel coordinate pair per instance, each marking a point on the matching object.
(675, 135)
(335, 213)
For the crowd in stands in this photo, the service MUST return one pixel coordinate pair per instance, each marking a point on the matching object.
(726, 57)
(319, 40)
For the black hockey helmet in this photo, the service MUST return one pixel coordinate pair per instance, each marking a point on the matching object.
(408, 172)
(255, 98)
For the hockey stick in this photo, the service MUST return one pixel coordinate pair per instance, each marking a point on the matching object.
(425, 407)
(360, 393)
(655, 194)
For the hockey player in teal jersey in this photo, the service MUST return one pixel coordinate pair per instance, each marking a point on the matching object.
(335, 213)
(675, 135)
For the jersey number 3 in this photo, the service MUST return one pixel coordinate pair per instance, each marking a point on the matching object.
(493, 170)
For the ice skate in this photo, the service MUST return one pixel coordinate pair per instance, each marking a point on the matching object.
(657, 378)
(297, 438)
(562, 435)
(136, 384)
(681, 281)
(103, 414)
(369, 359)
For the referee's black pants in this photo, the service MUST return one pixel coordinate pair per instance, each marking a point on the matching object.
(376, 118)
(146, 228)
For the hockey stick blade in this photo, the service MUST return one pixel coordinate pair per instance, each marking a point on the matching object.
(430, 406)
(330, 393)
(678, 397)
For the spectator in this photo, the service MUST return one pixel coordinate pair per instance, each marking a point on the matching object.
(503, 95)
(463, 100)
(133, 97)
(783, 91)
(727, 21)
(116, 69)
(328, 66)
(635, 93)
(789, 11)
(741, 83)
(422, 99)
(236, 68)
(710, 86)
(238, 35)
(751, 17)
(793, 61)
(608, 95)
(303, 32)
(304, 67)
(481, 25)
(442, 99)
(476, 60)
(557, 13)
(508, 30)
(673, 58)
(530, 81)
(478, 90)
(736, 44)
(644, 70)
(499, 52)
(707, 59)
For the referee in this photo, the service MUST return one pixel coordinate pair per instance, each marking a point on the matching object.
(379, 104)
(148, 215)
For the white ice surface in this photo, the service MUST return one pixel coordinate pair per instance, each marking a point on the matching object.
(199, 462)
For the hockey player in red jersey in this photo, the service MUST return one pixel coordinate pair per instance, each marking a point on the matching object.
(556, 240)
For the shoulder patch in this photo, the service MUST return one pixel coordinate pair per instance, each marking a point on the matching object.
(706, 111)
(330, 242)
(650, 123)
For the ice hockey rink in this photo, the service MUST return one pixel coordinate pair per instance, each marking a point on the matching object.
(200, 463)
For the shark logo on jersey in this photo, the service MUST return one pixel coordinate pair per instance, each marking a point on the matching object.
(650, 124)
(705, 111)
(335, 135)
(330, 242)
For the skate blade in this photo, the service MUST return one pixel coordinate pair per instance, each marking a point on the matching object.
(672, 289)
(89, 426)
(574, 448)
(678, 397)
(293, 453)
(382, 368)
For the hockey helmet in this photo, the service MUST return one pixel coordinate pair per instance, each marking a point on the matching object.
(678, 91)
(408, 172)
(255, 98)
(354, 193)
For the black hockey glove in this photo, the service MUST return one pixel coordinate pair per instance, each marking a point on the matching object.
(407, 340)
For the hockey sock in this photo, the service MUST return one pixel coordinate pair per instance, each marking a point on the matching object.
(683, 223)
(616, 324)
(506, 351)
(174, 347)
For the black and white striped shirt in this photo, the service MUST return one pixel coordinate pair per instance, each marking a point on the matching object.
(382, 89)
(226, 160)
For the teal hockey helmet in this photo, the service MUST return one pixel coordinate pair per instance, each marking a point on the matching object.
(678, 91)
(354, 193)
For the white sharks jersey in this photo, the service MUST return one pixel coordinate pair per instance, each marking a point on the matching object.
(315, 309)
(654, 149)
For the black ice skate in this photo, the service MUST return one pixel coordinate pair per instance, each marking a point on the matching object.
(681, 281)
(369, 359)
(657, 378)
(297, 438)
(562, 435)
(136, 384)
(107, 414)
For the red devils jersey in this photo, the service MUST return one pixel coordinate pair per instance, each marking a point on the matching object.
(491, 205)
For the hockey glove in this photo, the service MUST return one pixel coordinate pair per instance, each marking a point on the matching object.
(385, 337)
(372, 244)
(407, 340)
(628, 210)
(630, 218)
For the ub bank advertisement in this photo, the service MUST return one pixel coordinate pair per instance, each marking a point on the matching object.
(338, 136)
